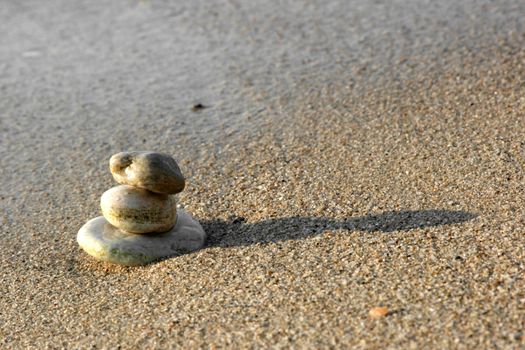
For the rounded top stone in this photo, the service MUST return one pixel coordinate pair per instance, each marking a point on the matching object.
(153, 171)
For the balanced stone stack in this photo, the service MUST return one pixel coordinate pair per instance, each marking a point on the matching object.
(140, 221)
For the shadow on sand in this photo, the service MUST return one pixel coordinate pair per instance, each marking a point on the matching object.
(235, 232)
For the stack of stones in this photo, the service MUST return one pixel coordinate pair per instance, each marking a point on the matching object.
(140, 221)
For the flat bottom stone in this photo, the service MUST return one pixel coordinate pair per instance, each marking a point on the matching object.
(105, 242)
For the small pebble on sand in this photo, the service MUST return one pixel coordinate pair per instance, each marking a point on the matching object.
(378, 312)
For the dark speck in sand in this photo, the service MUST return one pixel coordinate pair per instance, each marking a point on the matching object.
(237, 219)
(197, 107)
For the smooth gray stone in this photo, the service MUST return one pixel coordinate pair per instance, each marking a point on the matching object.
(137, 210)
(153, 171)
(105, 242)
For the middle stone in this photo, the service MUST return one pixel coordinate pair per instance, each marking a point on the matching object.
(138, 211)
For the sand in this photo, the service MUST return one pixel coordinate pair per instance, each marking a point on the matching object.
(351, 155)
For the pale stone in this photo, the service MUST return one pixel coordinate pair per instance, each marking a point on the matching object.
(105, 242)
(156, 172)
(139, 211)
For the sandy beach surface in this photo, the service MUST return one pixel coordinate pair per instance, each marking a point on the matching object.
(350, 155)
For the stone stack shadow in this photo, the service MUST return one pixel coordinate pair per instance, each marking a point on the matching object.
(236, 232)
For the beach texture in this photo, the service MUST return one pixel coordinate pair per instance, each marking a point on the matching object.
(350, 155)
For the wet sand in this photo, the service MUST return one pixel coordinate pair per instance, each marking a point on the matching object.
(351, 156)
